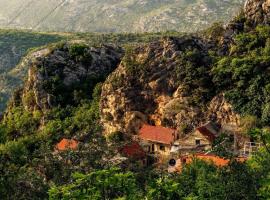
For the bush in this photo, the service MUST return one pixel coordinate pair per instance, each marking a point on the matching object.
(216, 31)
(103, 184)
(20, 122)
(80, 52)
(243, 75)
(116, 137)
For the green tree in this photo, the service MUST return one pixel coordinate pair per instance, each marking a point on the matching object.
(103, 184)
(260, 167)
(163, 188)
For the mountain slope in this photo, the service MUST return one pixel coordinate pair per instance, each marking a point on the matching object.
(13, 46)
(116, 15)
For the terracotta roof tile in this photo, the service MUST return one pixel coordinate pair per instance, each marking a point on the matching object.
(207, 132)
(133, 150)
(241, 159)
(66, 144)
(157, 134)
(216, 160)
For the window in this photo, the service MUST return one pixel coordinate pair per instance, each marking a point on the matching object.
(172, 162)
(198, 142)
(153, 147)
(162, 148)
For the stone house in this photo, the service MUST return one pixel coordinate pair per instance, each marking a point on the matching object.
(64, 146)
(200, 140)
(157, 139)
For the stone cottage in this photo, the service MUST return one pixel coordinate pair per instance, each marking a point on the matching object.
(157, 139)
(200, 140)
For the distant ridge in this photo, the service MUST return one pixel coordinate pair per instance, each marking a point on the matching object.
(117, 15)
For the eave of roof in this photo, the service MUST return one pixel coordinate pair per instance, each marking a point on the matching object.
(208, 134)
(157, 134)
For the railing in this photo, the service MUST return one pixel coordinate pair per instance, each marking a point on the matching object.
(250, 148)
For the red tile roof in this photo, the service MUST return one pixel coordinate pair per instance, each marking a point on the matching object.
(216, 160)
(66, 144)
(157, 134)
(133, 150)
(207, 133)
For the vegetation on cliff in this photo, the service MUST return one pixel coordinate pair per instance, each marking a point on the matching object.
(14, 45)
(29, 162)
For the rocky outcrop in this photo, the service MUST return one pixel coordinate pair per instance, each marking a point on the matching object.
(221, 112)
(123, 110)
(150, 85)
(147, 87)
(166, 82)
(257, 11)
(54, 74)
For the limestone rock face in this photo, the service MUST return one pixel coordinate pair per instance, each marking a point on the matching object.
(257, 11)
(53, 73)
(151, 85)
(151, 89)
(152, 93)
(220, 111)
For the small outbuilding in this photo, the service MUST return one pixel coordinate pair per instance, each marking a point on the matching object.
(133, 151)
(67, 144)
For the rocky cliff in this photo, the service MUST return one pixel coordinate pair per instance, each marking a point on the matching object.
(169, 82)
(57, 75)
(257, 11)
(14, 46)
(165, 83)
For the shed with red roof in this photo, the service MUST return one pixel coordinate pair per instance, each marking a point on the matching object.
(133, 151)
(209, 158)
(67, 144)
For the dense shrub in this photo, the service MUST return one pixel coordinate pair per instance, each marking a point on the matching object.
(104, 184)
(244, 74)
(80, 52)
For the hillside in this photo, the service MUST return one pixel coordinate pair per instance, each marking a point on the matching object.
(76, 128)
(117, 15)
(13, 46)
